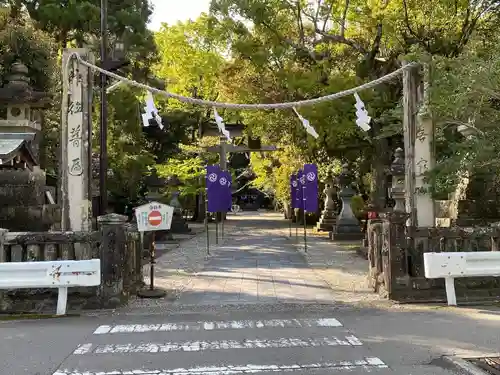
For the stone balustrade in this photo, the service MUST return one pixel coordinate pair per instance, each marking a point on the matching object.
(116, 243)
(395, 252)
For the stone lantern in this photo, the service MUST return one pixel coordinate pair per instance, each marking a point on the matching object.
(26, 203)
(347, 227)
(23, 106)
(179, 224)
(330, 211)
(154, 183)
(398, 180)
(174, 183)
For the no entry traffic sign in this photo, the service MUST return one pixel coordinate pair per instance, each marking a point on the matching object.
(151, 217)
(154, 218)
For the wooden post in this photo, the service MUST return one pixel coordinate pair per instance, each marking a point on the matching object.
(410, 100)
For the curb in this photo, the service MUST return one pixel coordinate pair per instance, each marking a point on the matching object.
(464, 366)
(17, 317)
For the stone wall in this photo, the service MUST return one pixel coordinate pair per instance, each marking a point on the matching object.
(396, 260)
(22, 201)
(116, 243)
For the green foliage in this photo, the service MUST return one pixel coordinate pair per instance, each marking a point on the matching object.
(128, 154)
(465, 95)
(179, 125)
(36, 37)
(273, 172)
(189, 166)
(189, 170)
(190, 58)
(285, 51)
(255, 51)
(21, 41)
(79, 21)
(190, 63)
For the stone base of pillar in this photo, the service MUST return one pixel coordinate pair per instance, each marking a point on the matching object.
(35, 218)
(347, 230)
(346, 236)
(327, 221)
(179, 225)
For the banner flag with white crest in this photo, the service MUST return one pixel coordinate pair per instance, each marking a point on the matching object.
(220, 124)
(306, 124)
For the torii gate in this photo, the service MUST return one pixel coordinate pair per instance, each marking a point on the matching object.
(236, 130)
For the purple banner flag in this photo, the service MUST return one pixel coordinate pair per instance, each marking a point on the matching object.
(311, 187)
(215, 192)
(293, 190)
(226, 181)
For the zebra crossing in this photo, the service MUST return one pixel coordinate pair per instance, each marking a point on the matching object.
(302, 346)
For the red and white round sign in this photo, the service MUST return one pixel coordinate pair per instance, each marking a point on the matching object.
(154, 218)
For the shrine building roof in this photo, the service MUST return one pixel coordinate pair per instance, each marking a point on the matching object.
(17, 144)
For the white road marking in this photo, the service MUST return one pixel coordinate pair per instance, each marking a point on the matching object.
(83, 349)
(353, 340)
(366, 364)
(211, 326)
(196, 346)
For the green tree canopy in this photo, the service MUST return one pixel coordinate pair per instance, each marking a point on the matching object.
(285, 51)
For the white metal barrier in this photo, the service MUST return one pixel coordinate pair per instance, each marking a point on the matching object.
(452, 265)
(56, 274)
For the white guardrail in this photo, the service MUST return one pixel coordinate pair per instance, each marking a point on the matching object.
(452, 265)
(62, 275)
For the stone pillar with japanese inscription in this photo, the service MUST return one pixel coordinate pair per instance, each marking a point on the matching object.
(76, 136)
(424, 156)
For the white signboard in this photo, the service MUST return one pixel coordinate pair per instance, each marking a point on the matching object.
(154, 216)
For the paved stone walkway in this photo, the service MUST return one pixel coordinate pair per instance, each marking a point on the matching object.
(340, 267)
(255, 265)
(176, 267)
(258, 262)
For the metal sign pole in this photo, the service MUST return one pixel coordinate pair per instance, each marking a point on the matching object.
(206, 223)
(222, 224)
(305, 232)
(216, 228)
(305, 217)
(296, 228)
(150, 218)
(152, 262)
(152, 292)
